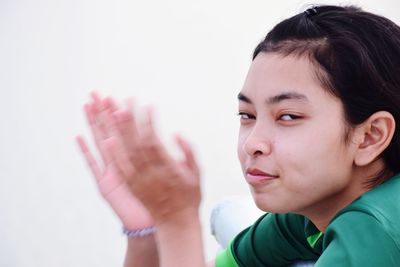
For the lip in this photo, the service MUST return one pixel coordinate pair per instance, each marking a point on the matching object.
(255, 176)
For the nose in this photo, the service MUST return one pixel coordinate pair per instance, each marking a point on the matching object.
(257, 142)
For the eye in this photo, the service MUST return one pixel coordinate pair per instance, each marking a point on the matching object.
(289, 117)
(245, 116)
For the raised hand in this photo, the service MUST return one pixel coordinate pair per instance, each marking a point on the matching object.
(111, 182)
(169, 188)
(145, 185)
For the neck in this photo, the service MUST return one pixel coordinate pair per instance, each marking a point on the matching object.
(322, 213)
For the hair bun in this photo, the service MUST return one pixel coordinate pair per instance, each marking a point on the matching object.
(312, 11)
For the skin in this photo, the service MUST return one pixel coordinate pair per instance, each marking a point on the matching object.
(145, 185)
(291, 147)
(112, 184)
(110, 180)
(293, 130)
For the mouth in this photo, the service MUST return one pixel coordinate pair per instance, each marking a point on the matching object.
(255, 176)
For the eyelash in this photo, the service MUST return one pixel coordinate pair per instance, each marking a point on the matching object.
(293, 117)
(249, 116)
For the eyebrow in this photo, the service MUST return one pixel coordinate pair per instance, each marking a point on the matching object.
(277, 98)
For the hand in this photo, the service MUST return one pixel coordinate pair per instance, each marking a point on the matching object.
(111, 182)
(167, 187)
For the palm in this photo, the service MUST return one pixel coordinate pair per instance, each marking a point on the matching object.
(111, 183)
(127, 207)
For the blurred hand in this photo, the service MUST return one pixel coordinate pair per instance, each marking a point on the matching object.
(111, 182)
(169, 188)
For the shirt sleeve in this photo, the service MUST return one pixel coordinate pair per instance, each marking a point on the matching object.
(226, 258)
(358, 239)
(273, 240)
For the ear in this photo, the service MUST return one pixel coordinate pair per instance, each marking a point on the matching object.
(375, 135)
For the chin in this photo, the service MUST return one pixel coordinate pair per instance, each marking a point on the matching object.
(270, 206)
(263, 205)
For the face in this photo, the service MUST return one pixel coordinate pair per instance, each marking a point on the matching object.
(291, 139)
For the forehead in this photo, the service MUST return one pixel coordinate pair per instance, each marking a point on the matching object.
(272, 74)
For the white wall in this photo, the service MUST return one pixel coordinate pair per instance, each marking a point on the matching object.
(188, 58)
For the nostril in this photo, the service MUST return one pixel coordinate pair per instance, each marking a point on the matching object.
(258, 152)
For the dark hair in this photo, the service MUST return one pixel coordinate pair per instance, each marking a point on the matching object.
(357, 59)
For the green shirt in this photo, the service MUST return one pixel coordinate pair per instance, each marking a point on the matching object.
(366, 233)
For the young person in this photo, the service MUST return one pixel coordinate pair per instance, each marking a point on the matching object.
(319, 146)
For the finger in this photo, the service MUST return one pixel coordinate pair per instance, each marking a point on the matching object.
(153, 147)
(101, 116)
(110, 106)
(91, 161)
(128, 129)
(148, 131)
(127, 126)
(98, 109)
(100, 113)
(92, 111)
(95, 96)
(103, 109)
(119, 157)
(143, 147)
(189, 158)
(97, 132)
(148, 122)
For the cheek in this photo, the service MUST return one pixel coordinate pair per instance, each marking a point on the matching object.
(302, 153)
(319, 143)
(312, 156)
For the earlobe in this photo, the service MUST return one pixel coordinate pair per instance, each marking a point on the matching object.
(377, 132)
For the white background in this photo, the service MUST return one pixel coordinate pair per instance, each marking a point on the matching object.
(186, 57)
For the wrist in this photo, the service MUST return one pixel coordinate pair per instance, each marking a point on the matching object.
(178, 218)
(180, 241)
(179, 222)
(136, 233)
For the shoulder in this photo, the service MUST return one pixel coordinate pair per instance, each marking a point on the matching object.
(273, 240)
(367, 232)
(359, 239)
(380, 206)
